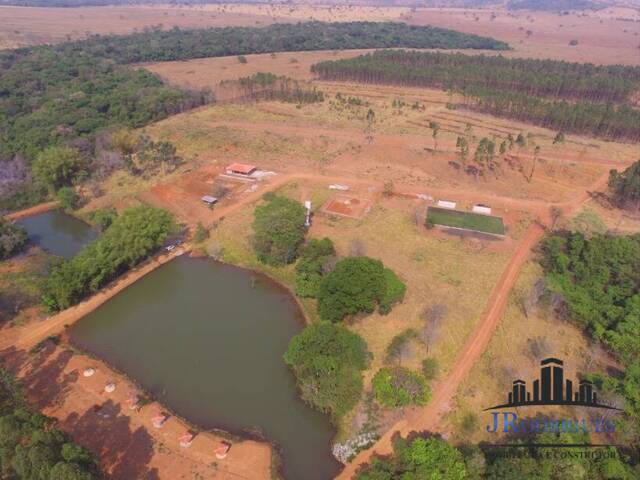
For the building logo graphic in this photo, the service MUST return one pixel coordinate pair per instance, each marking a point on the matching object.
(552, 389)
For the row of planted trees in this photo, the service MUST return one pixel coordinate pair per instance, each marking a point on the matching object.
(570, 97)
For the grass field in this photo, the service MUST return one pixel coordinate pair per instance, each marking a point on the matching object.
(455, 273)
(466, 220)
(523, 338)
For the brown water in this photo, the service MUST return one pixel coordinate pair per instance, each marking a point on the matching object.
(207, 340)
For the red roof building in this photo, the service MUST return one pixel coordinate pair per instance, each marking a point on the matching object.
(241, 169)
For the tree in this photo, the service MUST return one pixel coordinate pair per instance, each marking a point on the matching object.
(559, 138)
(521, 141)
(102, 218)
(13, 238)
(430, 368)
(420, 458)
(463, 145)
(485, 152)
(68, 198)
(396, 387)
(625, 186)
(328, 361)
(57, 167)
(310, 267)
(394, 290)
(435, 129)
(279, 230)
(355, 285)
(131, 238)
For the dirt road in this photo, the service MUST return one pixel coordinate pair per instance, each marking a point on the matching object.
(427, 418)
(35, 210)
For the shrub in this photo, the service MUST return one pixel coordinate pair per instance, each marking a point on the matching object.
(68, 198)
(396, 387)
(13, 238)
(278, 230)
(327, 361)
(242, 59)
(102, 218)
(393, 292)
(355, 285)
(420, 458)
(201, 233)
(399, 345)
(430, 368)
(309, 269)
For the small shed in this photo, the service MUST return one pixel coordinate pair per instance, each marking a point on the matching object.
(481, 209)
(240, 169)
(447, 204)
(209, 200)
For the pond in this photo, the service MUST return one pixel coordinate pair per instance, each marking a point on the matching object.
(58, 233)
(206, 340)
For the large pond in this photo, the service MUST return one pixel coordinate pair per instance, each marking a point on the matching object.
(207, 339)
(58, 233)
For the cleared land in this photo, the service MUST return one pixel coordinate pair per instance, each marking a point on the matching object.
(465, 220)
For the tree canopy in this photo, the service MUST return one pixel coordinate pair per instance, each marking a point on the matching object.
(131, 238)
(599, 281)
(625, 186)
(358, 285)
(310, 268)
(419, 458)
(328, 361)
(278, 228)
(13, 238)
(31, 448)
(396, 387)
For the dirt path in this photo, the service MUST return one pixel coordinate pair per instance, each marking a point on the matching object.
(29, 335)
(427, 418)
(35, 210)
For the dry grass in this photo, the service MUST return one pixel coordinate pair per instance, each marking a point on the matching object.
(510, 355)
(456, 273)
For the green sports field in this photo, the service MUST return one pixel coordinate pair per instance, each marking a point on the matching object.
(466, 220)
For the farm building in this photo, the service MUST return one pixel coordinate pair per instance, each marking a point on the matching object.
(481, 209)
(240, 169)
(446, 204)
(209, 200)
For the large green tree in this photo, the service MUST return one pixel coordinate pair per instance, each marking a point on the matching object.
(328, 361)
(309, 269)
(279, 230)
(355, 285)
(58, 167)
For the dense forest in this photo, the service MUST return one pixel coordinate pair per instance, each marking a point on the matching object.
(599, 282)
(571, 97)
(176, 44)
(66, 94)
(30, 445)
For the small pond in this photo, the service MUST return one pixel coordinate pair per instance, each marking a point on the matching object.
(58, 233)
(207, 340)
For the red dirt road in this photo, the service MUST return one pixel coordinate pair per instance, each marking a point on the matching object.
(428, 417)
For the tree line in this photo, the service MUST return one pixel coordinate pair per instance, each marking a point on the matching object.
(129, 239)
(268, 86)
(571, 97)
(599, 282)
